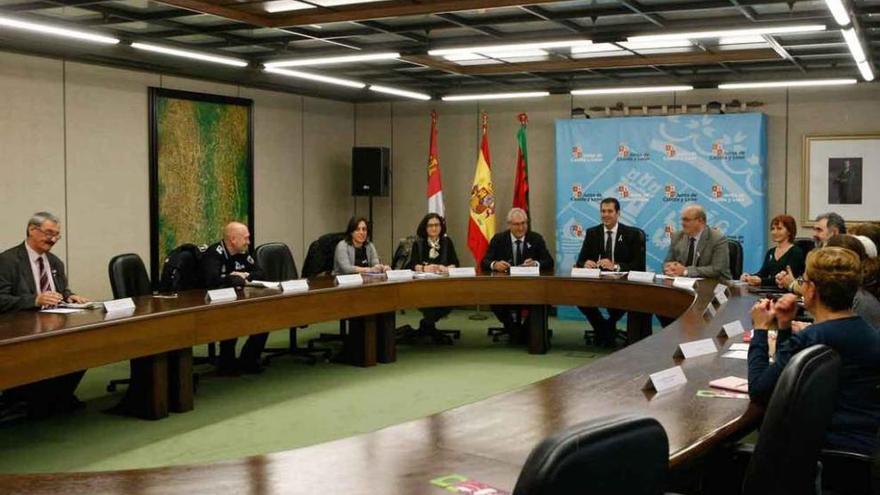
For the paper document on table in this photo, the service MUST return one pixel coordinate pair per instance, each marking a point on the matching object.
(736, 355)
(61, 311)
(263, 283)
(88, 305)
(739, 346)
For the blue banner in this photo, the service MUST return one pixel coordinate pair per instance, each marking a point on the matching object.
(655, 166)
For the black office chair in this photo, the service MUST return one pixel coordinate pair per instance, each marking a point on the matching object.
(806, 244)
(735, 250)
(406, 333)
(278, 265)
(623, 454)
(639, 264)
(318, 262)
(180, 272)
(128, 278)
(785, 458)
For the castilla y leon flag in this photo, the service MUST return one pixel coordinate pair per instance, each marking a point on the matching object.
(435, 187)
(521, 185)
(481, 225)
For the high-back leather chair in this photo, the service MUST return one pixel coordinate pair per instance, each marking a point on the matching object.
(623, 454)
(793, 430)
(319, 261)
(806, 244)
(128, 278)
(735, 250)
(278, 265)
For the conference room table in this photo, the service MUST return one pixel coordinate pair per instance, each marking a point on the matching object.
(486, 441)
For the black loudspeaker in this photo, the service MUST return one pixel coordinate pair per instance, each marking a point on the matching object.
(370, 172)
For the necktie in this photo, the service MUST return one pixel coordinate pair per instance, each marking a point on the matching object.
(690, 258)
(517, 257)
(44, 276)
(609, 252)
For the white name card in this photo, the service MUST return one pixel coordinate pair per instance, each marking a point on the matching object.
(300, 285)
(525, 271)
(641, 276)
(710, 312)
(732, 329)
(394, 275)
(463, 271)
(695, 348)
(221, 295)
(721, 297)
(684, 282)
(586, 272)
(353, 279)
(121, 313)
(118, 305)
(721, 288)
(662, 381)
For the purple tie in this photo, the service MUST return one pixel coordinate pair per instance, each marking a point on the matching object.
(44, 277)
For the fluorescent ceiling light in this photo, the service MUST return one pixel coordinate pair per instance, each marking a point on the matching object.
(366, 57)
(190, 54)
(491, 50)
(56, 31)
(399, 92)
(496, 96)
(838, 10)
(276, 6)
(741, 40)
(464, 57)
(785, 84)
(865, 69)
(855, 46)
(641, 89)
(315, 77)
(694, 35)
(631, 45)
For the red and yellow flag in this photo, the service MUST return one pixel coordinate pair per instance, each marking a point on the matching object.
(521, 184)
(481, 225)
(435, 187)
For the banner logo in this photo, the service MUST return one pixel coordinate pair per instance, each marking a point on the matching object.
(577, 192)
(577, 153)
(576, 230)
(672, 195)
(717, 192)
(670, 190)
(625, 153)
(671, 151)
(720, 153)
(623, 191)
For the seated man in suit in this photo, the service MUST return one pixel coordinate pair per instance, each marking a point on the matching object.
(609, 246)
(697, 250)
(228, 263)
(32, 278)
(827, 226)
(517, 246)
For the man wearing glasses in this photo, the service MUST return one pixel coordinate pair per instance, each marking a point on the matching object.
(32, 278)
(697, 250)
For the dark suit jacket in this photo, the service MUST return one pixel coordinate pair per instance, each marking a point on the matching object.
(628, 247)
(17, 288)
(501, 249)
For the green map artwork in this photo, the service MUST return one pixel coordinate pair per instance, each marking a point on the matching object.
(202, 172)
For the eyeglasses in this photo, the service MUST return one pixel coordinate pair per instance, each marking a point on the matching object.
(433, 224)
(51, 234)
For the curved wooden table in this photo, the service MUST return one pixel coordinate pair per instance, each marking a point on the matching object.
(488, 440)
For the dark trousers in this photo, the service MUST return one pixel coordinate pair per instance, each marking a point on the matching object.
(602, 327)
(505, 314)
(47, 394)
(250, 353)
(430, 316)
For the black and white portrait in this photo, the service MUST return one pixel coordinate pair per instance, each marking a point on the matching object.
(845, 181)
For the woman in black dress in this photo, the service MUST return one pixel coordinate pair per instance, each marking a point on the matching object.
(786, 254)
(432, 252)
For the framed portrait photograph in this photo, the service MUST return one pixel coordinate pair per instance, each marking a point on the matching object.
(838, 172)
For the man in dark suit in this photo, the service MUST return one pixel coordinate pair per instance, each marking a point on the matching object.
(517, 246)
(32, 278)
(615, 247)
(228, 263)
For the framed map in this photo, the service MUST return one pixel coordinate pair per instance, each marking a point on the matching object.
(201, 169)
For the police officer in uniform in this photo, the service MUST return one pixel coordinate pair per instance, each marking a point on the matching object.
(228, 263)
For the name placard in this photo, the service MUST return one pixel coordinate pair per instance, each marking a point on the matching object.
(710, 312)
(667, 379)
(117, 305)
(221, 295)
(641, 276)
(731, 329)
(586, 272)
(299, 285)
(353, 279)
(721, 297)
(525, 271)
(122, 313)
(684, 282)
(462, 271)
(394, 275)
(696, 348)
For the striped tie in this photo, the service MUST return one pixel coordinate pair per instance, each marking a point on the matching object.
(44, 277)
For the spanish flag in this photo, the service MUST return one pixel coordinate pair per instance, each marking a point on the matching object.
(481, 226)
(435, 187)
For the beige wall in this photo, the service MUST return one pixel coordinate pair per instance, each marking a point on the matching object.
(791, 114)
(75, 142)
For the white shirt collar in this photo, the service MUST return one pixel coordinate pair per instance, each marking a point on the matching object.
(513, 239)
(33, 255)
(613, 230)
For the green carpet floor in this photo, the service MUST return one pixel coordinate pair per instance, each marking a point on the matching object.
(290, 405)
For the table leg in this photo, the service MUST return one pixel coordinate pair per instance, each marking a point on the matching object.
(147, 395)
(180, 379)
(539, 339)
(386, 343)
(638, 326)
(360, 343)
